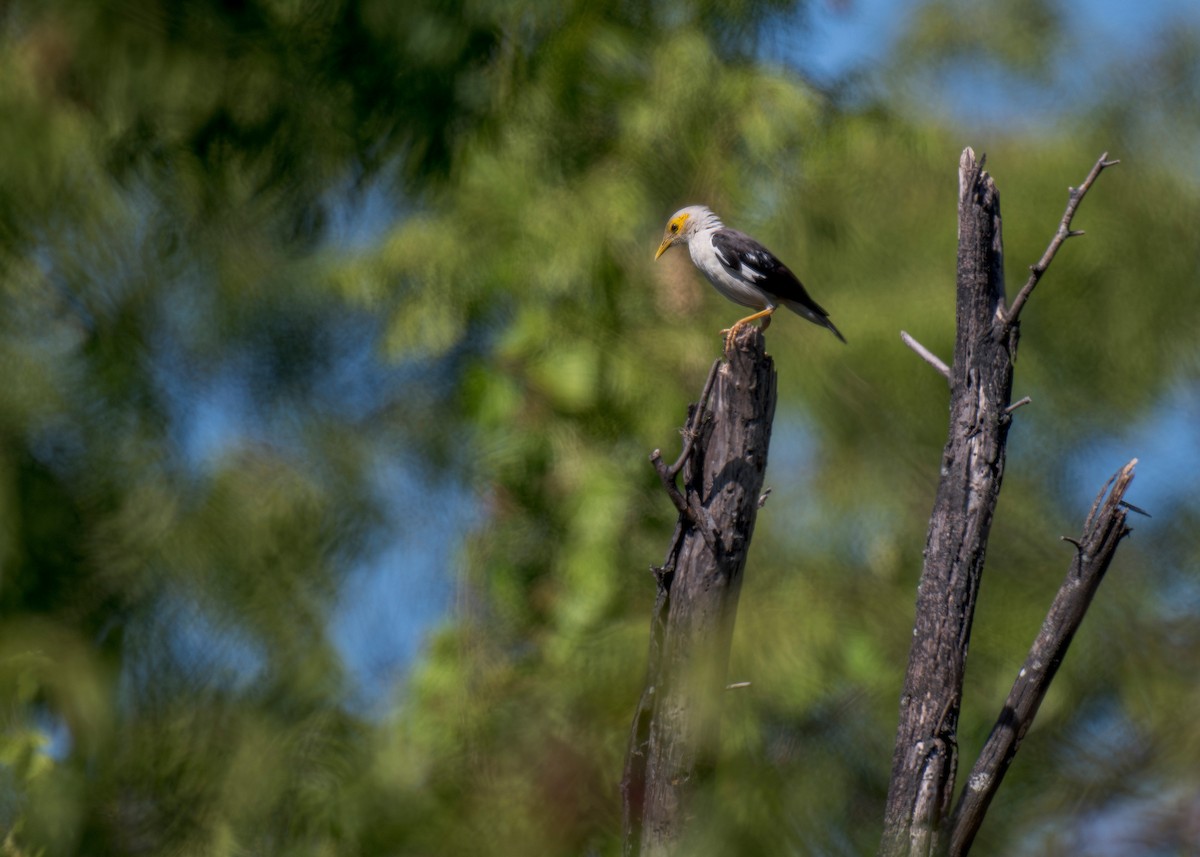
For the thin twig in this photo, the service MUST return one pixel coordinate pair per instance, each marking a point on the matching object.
(1139, 510)
(1064, 232)
(1096, 504)
(692, 430)
(1020, 403)
(1102, 533)
(688, 505)
(668, 482)
(926, 355)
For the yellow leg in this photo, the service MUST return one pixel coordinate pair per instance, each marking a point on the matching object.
(731, 333)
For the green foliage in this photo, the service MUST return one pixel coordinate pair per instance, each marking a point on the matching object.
(168, 237)
(1018, 34)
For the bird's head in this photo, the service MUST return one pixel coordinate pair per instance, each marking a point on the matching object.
(684, 224)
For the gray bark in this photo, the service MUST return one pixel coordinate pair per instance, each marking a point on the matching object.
(925, 759)
(926, 752)
(673, 741)
(1094, 551)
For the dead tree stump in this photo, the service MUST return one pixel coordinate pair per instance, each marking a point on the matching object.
(673, 742)
(917, 818)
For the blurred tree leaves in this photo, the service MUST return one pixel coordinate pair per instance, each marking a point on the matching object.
(1018, 35)
(201, 381)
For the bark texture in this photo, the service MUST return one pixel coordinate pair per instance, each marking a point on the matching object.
(673, 741)
(1094, 552)
(925, 759)
(925, 756)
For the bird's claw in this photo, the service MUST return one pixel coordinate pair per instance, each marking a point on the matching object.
(730, 334)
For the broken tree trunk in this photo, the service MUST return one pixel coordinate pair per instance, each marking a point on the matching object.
(925, 759)
(673, 741)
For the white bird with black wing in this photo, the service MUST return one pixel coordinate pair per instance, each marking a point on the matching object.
(741, 269)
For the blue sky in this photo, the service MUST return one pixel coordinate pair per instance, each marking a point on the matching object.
(849, 35)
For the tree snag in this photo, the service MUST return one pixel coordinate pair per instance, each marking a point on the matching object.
(925, 759)
(673, 740)
(1094, 551)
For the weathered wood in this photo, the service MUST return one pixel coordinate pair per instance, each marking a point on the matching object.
(1094, 552)
(924, 762)
(673, 740)
(925, 756)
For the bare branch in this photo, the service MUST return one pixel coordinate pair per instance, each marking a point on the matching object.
(926, 355)
(1064, 232)
(668, 481)
(695, 420)
(1137, 509)
(1103, 532)
(690, 507)
(1020, 403)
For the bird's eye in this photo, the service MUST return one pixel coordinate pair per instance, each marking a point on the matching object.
(674, 228)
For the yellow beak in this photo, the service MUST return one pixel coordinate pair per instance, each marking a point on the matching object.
(664, 246)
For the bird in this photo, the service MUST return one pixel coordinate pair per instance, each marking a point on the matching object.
(741, 269)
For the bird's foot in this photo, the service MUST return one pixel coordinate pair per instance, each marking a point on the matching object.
(730, 334)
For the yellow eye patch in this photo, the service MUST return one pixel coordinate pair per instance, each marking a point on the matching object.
(675, 232)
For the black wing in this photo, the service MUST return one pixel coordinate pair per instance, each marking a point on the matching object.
(746, 258)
